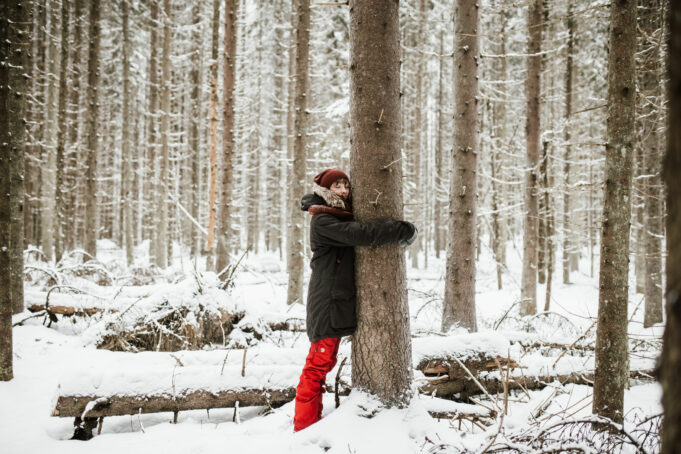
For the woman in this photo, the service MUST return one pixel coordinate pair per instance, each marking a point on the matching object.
(331, 298)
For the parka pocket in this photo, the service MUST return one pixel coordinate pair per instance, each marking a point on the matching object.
(343, 313)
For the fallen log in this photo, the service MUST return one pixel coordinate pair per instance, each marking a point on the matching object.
(461, 388)
(72, 406)
(454, 370)
(67, 311)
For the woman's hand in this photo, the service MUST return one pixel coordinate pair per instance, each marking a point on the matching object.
(404, 242)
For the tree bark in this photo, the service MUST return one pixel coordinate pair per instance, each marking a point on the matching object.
(568, 147)
(72, 175)
(438, 177)
(126, 171)
(528, 292)
(296, 253)
(15, 40)
(459, 299)
(91, 220)
(195, 116)
(671, 347)
(612, 362)
(152, 133)
(381, 347)
(227, 135)
(213, 137)
(163, 187)
(648, 73)
(61, 135)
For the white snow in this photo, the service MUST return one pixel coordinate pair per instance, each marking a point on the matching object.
(63, 360)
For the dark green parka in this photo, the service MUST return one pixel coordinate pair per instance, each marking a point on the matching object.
(331, 298)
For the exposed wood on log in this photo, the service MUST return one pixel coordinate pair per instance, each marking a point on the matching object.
(479, 363)
(71, 406)
(447, 388)
(65, 310)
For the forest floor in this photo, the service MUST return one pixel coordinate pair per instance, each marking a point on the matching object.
(63, 356)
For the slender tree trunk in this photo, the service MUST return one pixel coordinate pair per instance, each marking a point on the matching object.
(648, 72)
(91, 224)
(163, 187)
(228, 135)
(528, 294)
(381, 347)
(437, 222)
(300, 122)
(195, 115)
(290, 132)
(671, 347)
(568, 147)
(213, 134)
(49, 155)
(126, 172)
(61, 134)
(152, 132)
(459, 300)
(15, 45)
(72, 175)
(612, 362)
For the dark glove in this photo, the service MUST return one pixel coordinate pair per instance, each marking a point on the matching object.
(411, 236)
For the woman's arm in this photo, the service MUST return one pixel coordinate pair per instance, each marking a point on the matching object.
(330, 231)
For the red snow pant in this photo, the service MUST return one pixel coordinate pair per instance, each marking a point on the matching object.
(319, 362)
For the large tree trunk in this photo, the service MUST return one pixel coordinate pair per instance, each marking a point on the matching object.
(528, 292)
(459, 300)
(671, 348)
(15, 40)
(381, 347)
(91, 219)
(612, 362)
(295, 253)
(227, 135)
(648, 73)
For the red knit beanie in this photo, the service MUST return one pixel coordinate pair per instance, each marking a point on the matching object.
(329, 176)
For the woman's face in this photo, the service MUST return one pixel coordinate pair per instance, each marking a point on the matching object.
(341, 188)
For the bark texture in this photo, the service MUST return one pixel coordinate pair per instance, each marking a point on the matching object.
(459, 299)
(568, 148)
(213, 133)
(61, 135)
(163, 187)
(671, 348)
(229, 69)
(92, 130)
(126, 171)
(612, 364)
(297, 184)
(649, 90)
(15, 37)
(381, 348)
(528, 292)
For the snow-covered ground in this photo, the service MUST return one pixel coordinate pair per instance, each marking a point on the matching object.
(63, 359)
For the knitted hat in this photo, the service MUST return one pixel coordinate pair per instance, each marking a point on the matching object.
(329, 176)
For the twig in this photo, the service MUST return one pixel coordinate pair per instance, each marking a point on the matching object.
(475, 380)
(243, 363)
(574, 343)
(340, 368)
